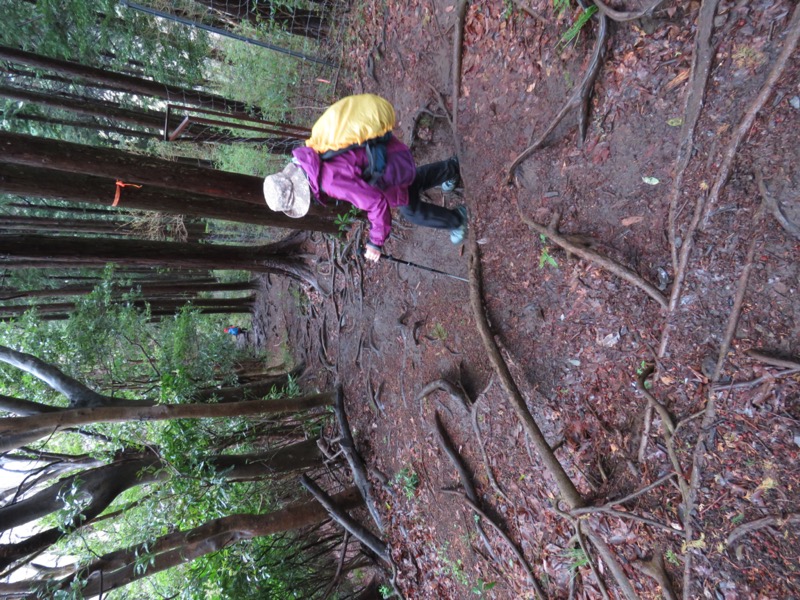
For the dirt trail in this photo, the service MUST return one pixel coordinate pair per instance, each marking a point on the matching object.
(574, 336)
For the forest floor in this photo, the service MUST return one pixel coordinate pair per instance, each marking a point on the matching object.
(574, 336)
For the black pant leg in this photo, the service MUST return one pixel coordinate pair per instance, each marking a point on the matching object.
(426, 214)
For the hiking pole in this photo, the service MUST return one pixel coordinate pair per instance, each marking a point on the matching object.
(411, 264)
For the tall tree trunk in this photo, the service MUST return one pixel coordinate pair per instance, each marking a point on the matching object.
(105, 483)
(92, 125)
(20, 431)
(89, 175)
(117, 569)
(149, 289)
(133, 85)
(73, 251)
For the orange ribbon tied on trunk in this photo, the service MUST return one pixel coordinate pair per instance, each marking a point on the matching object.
(121, 184)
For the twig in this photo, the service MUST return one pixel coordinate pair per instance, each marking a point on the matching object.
(602, 261)
(358, 531)
(710, 410)
(592, 566)
(530, 12)
(613, 564)
(458, 40)
(655, 568)
(770, 521)
(756, 381)
(537, 589)
(579, 98)
(338, 573)
(789, 46)
(348, 446)
(492, 479)
(621, 16)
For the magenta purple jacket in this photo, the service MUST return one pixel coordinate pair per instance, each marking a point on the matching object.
(341, 180)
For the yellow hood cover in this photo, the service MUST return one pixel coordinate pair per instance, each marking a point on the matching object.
(352, 120)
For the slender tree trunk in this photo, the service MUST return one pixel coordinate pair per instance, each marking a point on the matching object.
(20, 431)
(91, 125)
(72, 251)
(190, 288)
(133, 85)
(117, 569)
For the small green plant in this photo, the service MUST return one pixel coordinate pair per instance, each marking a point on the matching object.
(578, 559)
(439, 332)
(408, 482)
(454, 567)
(508, 9)
(386, 591)
(572, 33)
(673, 558)
(544, 257)
(737, 519)
(481, 587)
(560, 6)
(344, 221)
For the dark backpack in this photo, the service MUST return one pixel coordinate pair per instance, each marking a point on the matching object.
(376, 155)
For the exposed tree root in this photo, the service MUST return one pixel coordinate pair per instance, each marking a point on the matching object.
(458, 39)
(699, 72)
(358, 531)
(724, 171)
(773, 360)
(348, 446)
(774, 208)
(655, 568)
(585, 253)
(710, 414)
(579, 98)
(621, 16)
(770, 521)
(537, 589)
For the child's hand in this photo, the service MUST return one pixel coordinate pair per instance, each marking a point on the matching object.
(372, 254)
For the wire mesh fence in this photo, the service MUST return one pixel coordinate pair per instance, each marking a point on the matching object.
(266, 71)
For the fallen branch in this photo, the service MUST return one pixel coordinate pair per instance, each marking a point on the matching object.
(358, 531)
(655, 568)
(458, 39)
(724, 171)
(602, 261)
(537, 589)
(770, 521)
(774, 209)
(579, 98)
(773, 360)
(489, 473)
(565, 485)
(710, 415)
(592, 566)
(621, 16)
(348, 446)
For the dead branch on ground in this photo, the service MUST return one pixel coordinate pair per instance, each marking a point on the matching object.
(517, 552)
(579, 98)
(710, 415)
(770, 521)
(358, 531)
(724, 171)
(773, 360)
(348, 446)
(701, 68)
(774, 208)
(606, 263)
(620, 16)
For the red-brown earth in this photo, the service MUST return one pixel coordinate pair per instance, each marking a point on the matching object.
(573, 334)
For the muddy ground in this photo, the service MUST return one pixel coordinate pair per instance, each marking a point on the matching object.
(576, 337)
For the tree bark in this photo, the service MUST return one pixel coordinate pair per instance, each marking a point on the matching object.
(20, 431)
(133, 85)
(50, 252)
(117, 569)
(44, 182)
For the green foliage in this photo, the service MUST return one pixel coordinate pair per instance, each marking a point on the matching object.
(103, 32)
(673, 558)
(386, 591)
(560, 6)
(577, 559)
(344, 221)
(572, 33)
(481, 587)
(454, 567)
(408, 482)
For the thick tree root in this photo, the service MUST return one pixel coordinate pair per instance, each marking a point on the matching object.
(579, 98)
(613, 267)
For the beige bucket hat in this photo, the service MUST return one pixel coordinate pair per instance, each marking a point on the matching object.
(288, 191)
